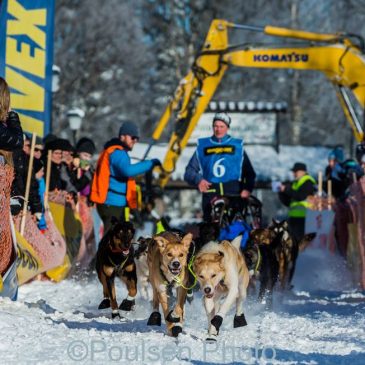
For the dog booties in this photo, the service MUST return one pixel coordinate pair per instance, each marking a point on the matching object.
(239, 321)
(105, 303)
(171, 318)
(217, 322)
(155, 319)
(127, 305)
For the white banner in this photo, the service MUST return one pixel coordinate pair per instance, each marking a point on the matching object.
(321, 223)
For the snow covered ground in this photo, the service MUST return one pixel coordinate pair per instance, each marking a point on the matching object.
(321, 322)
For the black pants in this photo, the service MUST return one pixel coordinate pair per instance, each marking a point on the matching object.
(106, 212)
(296, 227)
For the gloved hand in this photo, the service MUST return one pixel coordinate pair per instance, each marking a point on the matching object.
(156, 162)
(38, 216)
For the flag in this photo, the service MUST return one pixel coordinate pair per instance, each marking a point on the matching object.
(26, 58)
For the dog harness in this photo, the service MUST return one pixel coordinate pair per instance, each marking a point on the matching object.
(116, 266)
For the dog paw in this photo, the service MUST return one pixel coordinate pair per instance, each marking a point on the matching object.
(190, 296)
(105, 303)
(211, 338)
(175, 331)
(115, 314)
(155, 319)
(127, 305)
(217, 322)
(239, 321)
(171, 318)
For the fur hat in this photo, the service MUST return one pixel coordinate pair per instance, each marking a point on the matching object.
(85, 145)
(59, 144)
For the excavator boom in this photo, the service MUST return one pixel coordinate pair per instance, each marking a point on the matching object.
(335, 55)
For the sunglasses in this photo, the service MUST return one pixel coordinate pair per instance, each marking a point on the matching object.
(38, 149)
(134, 138)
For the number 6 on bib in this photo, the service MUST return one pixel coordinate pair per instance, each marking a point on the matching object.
(218, 168)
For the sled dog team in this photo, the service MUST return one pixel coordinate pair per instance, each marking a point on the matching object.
(168, 260)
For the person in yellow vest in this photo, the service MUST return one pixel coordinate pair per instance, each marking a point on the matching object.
(113, 187)
(295, 197)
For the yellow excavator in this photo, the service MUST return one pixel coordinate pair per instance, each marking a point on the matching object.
(340, 56)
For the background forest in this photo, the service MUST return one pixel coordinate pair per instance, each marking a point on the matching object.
(122, 59)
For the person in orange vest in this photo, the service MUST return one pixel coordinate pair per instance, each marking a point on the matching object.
(113, 187)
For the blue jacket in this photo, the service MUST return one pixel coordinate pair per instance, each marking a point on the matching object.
(121, 169)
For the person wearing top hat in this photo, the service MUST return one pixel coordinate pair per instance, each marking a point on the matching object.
(295, 197)
(220, 167)
(113, 187)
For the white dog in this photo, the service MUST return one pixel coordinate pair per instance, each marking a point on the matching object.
(140, 258)
(221, 270)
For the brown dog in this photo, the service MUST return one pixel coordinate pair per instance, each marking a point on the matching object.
(115, 257)
(167, 262)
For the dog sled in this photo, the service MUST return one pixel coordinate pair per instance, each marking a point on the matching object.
(230, 208)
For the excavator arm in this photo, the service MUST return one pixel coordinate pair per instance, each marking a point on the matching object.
(335, 55)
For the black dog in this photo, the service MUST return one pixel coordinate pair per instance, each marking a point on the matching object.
(207, 232)
(115, 257)
(279, 252)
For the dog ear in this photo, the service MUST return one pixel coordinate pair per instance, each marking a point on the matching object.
(161, 242)
(219, 256)
(237, 242)
(197, 261)
(186, 241)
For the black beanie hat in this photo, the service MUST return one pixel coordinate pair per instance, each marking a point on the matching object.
(59, 144)
(85, 145)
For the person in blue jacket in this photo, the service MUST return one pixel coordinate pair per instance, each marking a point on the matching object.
(220, 167)
(113, 187)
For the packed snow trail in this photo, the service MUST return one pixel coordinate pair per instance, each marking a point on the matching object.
(320, 322)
